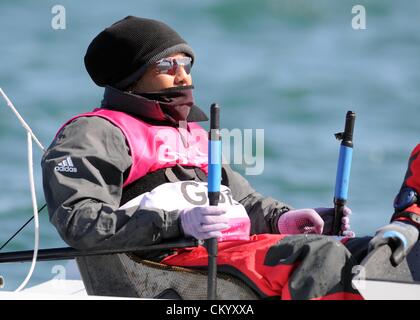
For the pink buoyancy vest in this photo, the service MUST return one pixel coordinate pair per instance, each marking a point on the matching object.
(156, 147)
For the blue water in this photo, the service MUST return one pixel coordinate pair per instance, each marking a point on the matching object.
(292, 68)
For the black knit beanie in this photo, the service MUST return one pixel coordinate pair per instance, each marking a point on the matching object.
(120, 54)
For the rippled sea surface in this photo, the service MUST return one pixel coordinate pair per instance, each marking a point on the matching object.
(290, 67)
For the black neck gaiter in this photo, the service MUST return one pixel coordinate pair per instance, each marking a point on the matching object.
(175, 102)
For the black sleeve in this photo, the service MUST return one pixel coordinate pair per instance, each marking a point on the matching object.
(83, 172)
(263, 211)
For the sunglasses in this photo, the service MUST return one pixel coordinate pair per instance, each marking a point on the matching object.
(170, 65)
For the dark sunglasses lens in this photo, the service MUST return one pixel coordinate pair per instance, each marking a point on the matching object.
(170, 66)
(186, 63)
(187, 68)
(164, 65)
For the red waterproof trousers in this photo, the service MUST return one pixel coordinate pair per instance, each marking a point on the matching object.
(286, 267)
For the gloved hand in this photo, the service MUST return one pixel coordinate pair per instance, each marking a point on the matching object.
(318, 221)
(400, 236)
(203, 222)
(327, 214)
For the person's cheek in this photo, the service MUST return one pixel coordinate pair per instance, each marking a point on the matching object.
(163, 81)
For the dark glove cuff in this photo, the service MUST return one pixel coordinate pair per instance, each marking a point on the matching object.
(275, 219)
(181, 229)
(172, 227)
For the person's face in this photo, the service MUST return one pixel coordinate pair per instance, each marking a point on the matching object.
(153, 80)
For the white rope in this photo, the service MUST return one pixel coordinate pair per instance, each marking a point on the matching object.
(30, 136)
(35, 209)
(24, 124)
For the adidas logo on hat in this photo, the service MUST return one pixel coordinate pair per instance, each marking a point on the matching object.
(66, 166)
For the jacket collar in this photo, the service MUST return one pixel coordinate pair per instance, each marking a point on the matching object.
(143, 108)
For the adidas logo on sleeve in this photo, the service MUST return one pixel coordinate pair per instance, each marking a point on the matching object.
(66, 166)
